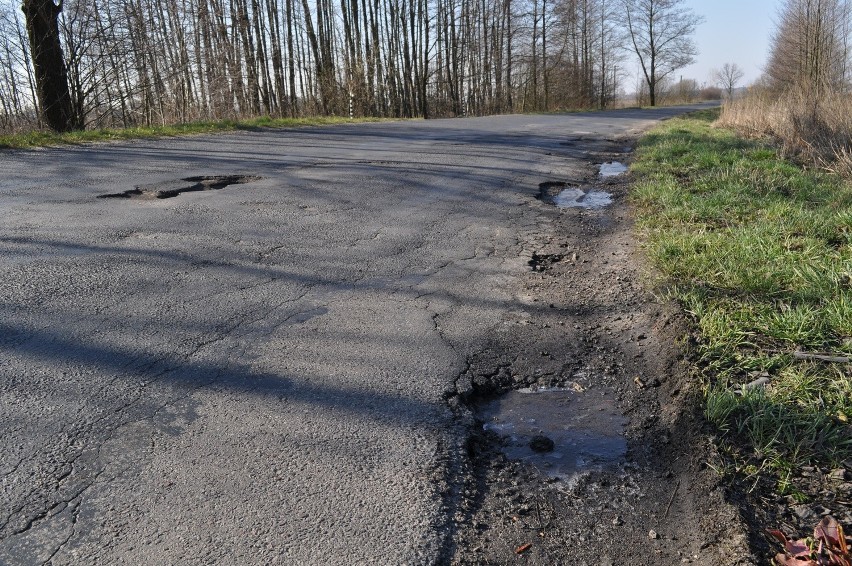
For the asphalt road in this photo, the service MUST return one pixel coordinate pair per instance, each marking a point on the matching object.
(258, 374)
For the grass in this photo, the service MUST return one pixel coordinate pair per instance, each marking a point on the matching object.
(759, 251)
(41, 138)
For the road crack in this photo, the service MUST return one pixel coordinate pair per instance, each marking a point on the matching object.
(75, 512)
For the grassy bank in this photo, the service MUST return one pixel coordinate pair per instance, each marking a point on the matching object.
(42, 138)
(759, 251)
(811, 128)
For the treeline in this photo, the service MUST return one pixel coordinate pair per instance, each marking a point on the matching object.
(152, 62)
(804, 101)
(161, 61)
(812, 47)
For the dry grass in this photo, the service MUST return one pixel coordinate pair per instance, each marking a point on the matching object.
(813, 130)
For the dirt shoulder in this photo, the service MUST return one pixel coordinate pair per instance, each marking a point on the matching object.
(591, 325)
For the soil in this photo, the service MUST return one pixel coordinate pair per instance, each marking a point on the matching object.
(592, 326)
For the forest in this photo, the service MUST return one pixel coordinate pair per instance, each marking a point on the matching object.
(152, 62)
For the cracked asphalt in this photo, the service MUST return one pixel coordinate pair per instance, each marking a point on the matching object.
(259, 374)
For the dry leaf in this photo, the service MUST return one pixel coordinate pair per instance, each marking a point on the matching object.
(829, 540)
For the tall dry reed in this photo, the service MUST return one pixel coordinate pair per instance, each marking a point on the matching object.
(815, 130)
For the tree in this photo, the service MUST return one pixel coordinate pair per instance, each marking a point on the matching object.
(660, 33)
(728, 77)
(810, 48)
(54, 98)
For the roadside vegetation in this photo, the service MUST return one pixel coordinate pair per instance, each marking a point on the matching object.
(803, 102)
(811, 126)
(38, 138)
(758, 250)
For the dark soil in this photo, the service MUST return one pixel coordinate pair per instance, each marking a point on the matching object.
(591, 324)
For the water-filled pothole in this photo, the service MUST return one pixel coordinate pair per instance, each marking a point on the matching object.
(561, 432)
(613, 169)
(563, 196)
(578, 198)
(169, 189)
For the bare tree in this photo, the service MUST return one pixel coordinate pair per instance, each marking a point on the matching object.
(660, 33)
(810, 48)
(132, 62)
(728, 76)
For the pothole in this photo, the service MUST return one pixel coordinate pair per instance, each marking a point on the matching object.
(578, 198)
(542, 262)
(560, 194)
(549, 190)
(170, 189)
(575, 140)
(563, 433)
(612, 169)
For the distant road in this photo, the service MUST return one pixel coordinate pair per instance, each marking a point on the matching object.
(257, 374)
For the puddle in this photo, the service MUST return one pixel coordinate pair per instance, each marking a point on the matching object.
(170, 189)
(563, 196)
(578, 198)
(586, 430)
(613, 169)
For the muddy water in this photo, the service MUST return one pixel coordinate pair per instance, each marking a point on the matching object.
(613, 169)
(578, 198)
(586, 429)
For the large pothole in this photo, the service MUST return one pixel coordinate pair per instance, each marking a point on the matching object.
(170, 189)
(561, 432)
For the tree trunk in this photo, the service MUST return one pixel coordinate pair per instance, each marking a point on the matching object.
(51, 75)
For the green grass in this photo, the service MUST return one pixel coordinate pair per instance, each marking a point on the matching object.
(40, 138)
(759, 251)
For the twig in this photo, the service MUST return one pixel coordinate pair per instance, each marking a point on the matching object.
(822, 357)
(671, 499)
(538, 512)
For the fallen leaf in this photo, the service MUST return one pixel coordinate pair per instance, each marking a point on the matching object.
(829, 531)
(798, 548)
(786, 560)
(827, 548)
(782, 538)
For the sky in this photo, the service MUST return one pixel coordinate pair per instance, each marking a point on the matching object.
(734, 31)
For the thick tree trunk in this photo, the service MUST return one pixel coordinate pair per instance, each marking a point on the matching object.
(51, 75)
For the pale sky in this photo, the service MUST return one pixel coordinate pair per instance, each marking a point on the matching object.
(734, 31)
